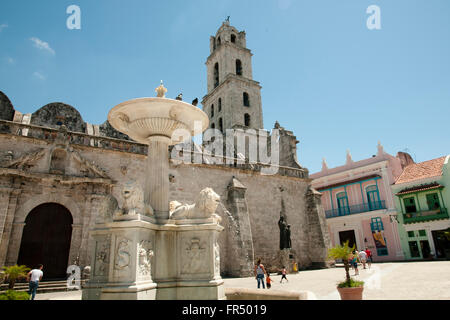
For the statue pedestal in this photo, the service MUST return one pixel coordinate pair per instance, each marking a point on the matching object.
(136, 259)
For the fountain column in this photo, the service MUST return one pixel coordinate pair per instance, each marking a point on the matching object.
(157, 179)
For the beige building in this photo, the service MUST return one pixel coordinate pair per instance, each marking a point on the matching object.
(56, 170)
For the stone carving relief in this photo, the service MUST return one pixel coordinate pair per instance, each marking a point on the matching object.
(25, 162)
(123, 255)
(194, 257)
(204, 207)
(101, 258)
(145, 253)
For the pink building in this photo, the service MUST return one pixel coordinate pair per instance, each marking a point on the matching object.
(359, 205)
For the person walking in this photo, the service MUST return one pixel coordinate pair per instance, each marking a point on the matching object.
(268, 281)
(283, 275)
(33, 277)
(369, 257)
(363, 258)
(355, 262)
(259, 273)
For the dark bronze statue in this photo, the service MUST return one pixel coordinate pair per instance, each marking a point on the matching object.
(285, 234)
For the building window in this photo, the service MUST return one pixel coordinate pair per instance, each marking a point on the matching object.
(220, 124)
(218, 41)
(422, 233)
(233, 38)
(342, 202)
(410, 234)
(246, 99)
(213, 126)
(212, 111)
(376, 224)
(247, 120)
(238, 67)
(216, 74)
(433, 201)
(373, 197)
(410, 205)
(220, 105)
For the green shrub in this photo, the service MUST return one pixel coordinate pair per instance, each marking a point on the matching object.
(14, 273)
(351, 284)
(14, 295)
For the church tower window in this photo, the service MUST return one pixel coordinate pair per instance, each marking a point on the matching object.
(246, 99)
(233, 38)
(220, 124)
(220, 105)
(216, 74)
(212, 111)
(238, 67)
(247, 120)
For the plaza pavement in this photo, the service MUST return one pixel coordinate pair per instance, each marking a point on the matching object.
(428, 280)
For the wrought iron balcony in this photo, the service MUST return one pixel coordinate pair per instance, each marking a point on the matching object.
(358, 208)
(420, 216)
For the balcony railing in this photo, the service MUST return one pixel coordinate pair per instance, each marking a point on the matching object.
(420, 216)
(359, 208)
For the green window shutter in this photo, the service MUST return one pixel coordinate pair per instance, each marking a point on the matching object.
(433, 201)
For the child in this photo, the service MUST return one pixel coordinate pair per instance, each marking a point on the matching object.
(268, 281)
(283, 275)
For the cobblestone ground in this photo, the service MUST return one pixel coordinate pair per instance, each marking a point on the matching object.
(384, 281)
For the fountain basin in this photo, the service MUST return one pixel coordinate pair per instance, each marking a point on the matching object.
(144, 118)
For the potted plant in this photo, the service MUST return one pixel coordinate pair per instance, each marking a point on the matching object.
(349, 289)
(14, 273)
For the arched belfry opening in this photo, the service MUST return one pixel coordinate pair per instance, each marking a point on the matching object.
(46, 240)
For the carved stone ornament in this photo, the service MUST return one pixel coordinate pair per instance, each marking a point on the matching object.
(101, 258)
(145, 254)
(123, 256)
(194, 258)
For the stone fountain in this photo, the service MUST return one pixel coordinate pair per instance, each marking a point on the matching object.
(143, 251)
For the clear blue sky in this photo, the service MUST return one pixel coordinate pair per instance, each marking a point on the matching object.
(324, 75)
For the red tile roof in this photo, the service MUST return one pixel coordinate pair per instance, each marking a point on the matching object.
(422, 170)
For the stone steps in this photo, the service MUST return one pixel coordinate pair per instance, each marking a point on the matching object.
(44, 287)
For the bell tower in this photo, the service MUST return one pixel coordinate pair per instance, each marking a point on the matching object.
(234, 98)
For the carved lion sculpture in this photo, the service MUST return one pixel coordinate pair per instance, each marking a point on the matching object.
(204, 207)
(133, 201)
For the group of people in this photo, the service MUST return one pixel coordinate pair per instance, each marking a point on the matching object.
(261, 274)
(364, 257)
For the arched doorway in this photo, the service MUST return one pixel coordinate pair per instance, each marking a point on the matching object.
(46, 239)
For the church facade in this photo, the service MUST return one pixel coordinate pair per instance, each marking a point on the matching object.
(56, 170)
